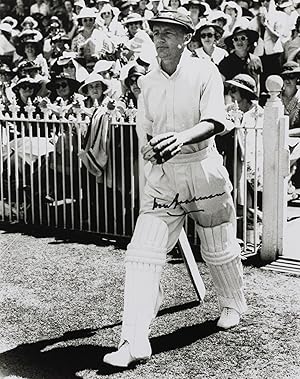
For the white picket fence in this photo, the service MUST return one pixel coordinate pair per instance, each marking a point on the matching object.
(44, 182)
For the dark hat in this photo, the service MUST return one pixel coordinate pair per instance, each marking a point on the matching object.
(245, 82)
(135, 70)
(173, 17)
(290, 67)
(218, 29)
(251, 34)
(27, 66)
(35, 83)
(74, 84)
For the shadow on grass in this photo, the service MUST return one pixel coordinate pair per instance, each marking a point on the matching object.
(32, 361)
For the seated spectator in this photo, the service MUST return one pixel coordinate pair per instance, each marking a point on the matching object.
(240, 60)
(39, 7)
(29, 23)
(141, 8)
(60, 43)
(198, 10)
(63, 94)
(133, 23)
(26, 90)
(290, 97)
(95, 88)
(54, 29)
(112, 26)
(14, 25)
(68, 64)
(207, 35)
(6, 75)
(293, 45)
(20, 11)
(290, 94)
(7, 48)
(90, 40)
(132, 91)
(295, 56)
(107, 69)
(31, 51)
(232, 9)
(31, 69)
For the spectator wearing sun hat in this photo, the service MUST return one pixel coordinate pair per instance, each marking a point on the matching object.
(198, 10)
(232, 9)
(25, 88)
(113, 27)
(240, 60)
(13, 23)
(207, 35)
(29, 23)
(133, 23)
(90, 40)
(95, 89)
(31, 50)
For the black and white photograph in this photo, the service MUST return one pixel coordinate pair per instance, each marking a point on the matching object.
(149, 189)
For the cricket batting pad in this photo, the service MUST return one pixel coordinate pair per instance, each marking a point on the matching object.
(221, 252)
(145, 258)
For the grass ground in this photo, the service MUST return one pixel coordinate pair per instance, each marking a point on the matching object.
(61, 305)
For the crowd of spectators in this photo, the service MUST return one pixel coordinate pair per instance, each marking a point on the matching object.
(79, 54)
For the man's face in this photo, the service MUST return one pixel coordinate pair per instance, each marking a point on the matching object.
(168, 40)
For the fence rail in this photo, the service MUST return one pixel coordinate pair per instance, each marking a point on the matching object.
(45, 182)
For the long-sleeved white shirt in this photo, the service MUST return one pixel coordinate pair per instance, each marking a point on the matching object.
(193, 93)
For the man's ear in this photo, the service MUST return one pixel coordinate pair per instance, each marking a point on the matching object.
(187, 38)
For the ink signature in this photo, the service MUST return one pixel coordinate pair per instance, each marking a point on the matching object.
(176, 202)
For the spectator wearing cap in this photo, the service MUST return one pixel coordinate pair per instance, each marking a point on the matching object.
(232, 9)
(39, 7)
(208, 35)
(240, 60)
(181, 109)
(31, 51)
(197, 10)
(90, 40)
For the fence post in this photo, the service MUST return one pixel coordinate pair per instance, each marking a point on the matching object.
(275, 172)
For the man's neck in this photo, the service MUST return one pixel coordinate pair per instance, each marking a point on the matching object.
(170, 65)
(241, 54)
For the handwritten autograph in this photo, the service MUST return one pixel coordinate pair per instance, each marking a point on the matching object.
(176, 202)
